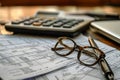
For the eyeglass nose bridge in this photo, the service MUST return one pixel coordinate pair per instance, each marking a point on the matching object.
(78, 48)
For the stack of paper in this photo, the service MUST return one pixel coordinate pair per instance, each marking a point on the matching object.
(30, 57)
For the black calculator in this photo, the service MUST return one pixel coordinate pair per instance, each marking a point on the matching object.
(49, 23)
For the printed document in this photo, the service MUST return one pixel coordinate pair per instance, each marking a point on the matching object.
(30, 57)
(81, 72)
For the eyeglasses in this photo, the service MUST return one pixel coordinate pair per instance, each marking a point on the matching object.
(86, 55)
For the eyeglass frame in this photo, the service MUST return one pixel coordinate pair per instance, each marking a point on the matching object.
(79, 49)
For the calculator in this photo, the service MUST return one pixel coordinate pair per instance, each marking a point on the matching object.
(50, 24)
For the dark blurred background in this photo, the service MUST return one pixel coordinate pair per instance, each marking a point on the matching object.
(59, 2)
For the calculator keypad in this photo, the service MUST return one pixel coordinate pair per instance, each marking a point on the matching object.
(54, 25)
(65, 23)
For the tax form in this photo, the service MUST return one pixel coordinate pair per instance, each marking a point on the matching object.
(30, 57)
(23, 57)
(80, 72)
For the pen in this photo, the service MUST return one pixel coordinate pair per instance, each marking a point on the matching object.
(99, 16)
(103, 63)
(114, 16)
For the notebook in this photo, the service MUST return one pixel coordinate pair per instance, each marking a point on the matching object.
(110, 29)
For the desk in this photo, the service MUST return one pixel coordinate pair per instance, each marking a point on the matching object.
(11, 13)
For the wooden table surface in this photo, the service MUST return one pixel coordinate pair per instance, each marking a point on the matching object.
(16, 12)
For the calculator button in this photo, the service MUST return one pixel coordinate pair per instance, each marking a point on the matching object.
(47, 24)
(21, 20)
(75, 22)
(81, 20)
(16, 22)
(26, 19)
(36, 23)
(27, 23)
(56, 20)
(52, 18)
(36, 20)
(45, 20)
(58, 24)
(30, 21)
(65, 21)
(67, 25)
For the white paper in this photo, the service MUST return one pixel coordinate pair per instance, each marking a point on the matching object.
(24, 57)
(81, 72)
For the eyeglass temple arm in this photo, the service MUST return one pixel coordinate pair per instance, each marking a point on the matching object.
(65, 45)
(89, 53)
